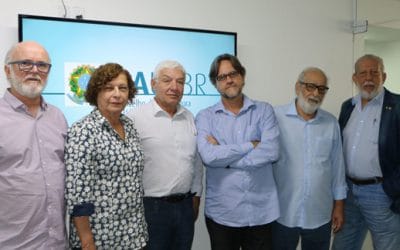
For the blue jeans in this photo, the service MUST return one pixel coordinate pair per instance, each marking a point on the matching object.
(368, 207)
(170, 224)
(287, 238)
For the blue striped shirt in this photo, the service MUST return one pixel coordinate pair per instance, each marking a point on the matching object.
(240, 188)
(360, 139)
(310, 173)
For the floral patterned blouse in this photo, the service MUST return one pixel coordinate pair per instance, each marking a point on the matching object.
(104, 182)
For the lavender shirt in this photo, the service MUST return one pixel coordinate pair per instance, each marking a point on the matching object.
(31, 176)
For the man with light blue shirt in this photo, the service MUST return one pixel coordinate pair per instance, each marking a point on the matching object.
(310, 173)
(370, 124)
(238, 142)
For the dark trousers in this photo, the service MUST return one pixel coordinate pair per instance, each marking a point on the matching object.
(170, 224)
(235, 238)
(287, 238)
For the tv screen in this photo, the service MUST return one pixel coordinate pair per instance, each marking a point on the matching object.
(78, 46)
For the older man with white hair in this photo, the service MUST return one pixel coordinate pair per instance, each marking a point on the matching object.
(370, 123)
(310, 173)
(32, 173)
(173, 171)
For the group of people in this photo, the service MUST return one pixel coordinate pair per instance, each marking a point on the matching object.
(274, 175)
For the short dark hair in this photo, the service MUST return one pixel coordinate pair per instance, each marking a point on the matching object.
(103, 75)
(217, 61)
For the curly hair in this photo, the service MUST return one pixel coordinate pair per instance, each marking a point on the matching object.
(103, 75)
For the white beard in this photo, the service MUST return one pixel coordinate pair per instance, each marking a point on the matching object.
(369, 96)
(307, 107)
(27, 90)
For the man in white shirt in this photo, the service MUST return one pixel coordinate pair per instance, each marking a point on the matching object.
(172, 176)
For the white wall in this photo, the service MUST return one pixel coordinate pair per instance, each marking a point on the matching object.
(276, 40)
(383, 36)
(390, 53)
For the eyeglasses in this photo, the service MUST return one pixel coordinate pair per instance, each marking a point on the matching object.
(27, 65)
(311, 87)
(223, 77)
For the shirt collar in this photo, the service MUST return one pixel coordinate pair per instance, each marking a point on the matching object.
(100, 119)
(292, 111)
(377, 100)
(16, 104)
(247, 104)
(157, 110)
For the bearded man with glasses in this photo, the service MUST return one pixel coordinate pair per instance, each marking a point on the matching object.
(310, 173)
(32, 173)
(238, 142)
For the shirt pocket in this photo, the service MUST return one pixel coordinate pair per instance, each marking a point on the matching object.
(323, 147)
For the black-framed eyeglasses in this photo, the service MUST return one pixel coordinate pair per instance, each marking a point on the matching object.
(223, 77)
(311, 87)
(27, 65)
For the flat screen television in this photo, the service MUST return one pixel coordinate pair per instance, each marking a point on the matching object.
(78, 46)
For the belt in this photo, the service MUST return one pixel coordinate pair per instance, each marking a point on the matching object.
(369, 181)
(174, 198)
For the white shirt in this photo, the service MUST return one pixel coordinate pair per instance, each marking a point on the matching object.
(172, 164)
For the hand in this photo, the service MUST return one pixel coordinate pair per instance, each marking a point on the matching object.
(338, 215)
(255, 143)
(89, 246)
(84, 231)
(212, 140)
(196, 205)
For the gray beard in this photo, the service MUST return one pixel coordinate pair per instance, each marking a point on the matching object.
(307, 107)
(28, 91)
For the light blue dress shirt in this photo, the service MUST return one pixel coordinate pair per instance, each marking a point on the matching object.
(240, 188)
(310, 173)
(360, 139)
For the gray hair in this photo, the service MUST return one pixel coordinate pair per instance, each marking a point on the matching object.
(369, 57)
(311, 69)
(168, 64)
(9, 54)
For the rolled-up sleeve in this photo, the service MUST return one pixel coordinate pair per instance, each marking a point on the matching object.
(79, 176)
